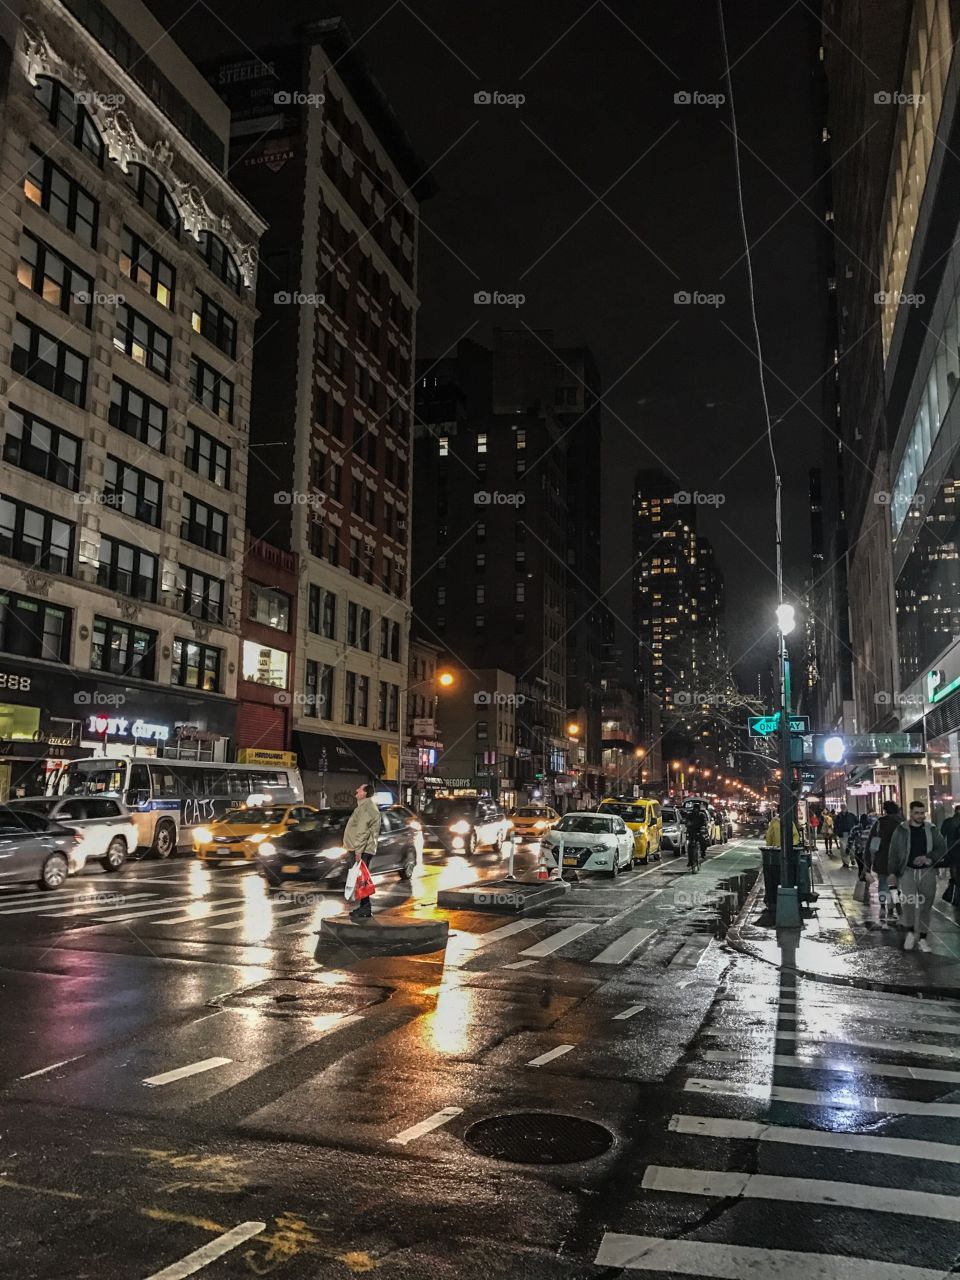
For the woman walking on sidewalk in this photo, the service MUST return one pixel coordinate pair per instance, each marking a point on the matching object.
(916, 849)
(827, 831)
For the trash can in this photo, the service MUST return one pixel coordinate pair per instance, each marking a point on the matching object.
(805, 878)
(771, 877)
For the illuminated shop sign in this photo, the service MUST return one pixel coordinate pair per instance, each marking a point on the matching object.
(124, 727)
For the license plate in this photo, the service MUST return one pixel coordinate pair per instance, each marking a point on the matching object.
(289, 869)
(569, 861)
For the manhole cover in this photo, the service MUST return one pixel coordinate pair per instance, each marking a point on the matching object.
(539, 1137)
(293, 997)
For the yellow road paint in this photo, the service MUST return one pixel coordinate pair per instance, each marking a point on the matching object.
(184, 1219)
(10, 1185)
(218, 1174)
(357, 1262)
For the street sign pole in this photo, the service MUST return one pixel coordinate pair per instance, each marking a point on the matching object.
(788, 903)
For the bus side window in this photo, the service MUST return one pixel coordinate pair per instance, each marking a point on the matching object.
(164, 782)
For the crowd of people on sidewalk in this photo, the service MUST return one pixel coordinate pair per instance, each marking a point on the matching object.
(901, 858)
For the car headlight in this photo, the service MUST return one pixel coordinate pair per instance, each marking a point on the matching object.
(602, 848)
(202, 835)
(258, 838)
(267, 849)
(460, 828)
(540, 826)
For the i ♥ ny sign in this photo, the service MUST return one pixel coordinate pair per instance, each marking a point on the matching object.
(122, 727)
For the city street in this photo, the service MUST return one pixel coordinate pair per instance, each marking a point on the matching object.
(179, 1075)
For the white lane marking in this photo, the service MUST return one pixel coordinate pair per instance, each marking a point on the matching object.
(628, 1013)
(914, 1048)
(276, 913)
(170, 904)
(762, 1186)
(519, 964)
(864, 1067)
(425, 1126)
(636, 905)
(622, 948)
(895, 1005)
(53, 1066)
(544, 1058)
(239, 904)
(474, 942)
(46, 906)
(689, 956)
(831, 1099)
(734, 1261)
(752, 1131)
(181, 1073)
(97, 908)
(558, 940)
(210, 1251)
(919, 1024)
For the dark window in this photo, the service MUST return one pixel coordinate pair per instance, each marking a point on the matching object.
(363, 699)
(35, 537)
(216, 325)
(350, 698)
(142, 341)
(137, 415)
(153, 196)
(34, 629)
(371, 512)
(145, 267)
(123, 650)
(55, 278)
(132, 491)
(269, 607)
(356, 496)
(196, 666)
(41, 448)
(49, 363)
(328, 620)
(204, 526)
(46, 185)
(69, 117)
(211, 389)
(314, 595)
(126, 569)
(318, 699)
(201, 595)
(207, 456)
(219, 259)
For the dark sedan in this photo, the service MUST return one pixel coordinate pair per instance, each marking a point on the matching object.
(313, 850)
(35, 850)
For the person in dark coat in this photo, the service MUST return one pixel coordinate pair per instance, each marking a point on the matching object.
(951, 834)
(844, 824)
(877, 860)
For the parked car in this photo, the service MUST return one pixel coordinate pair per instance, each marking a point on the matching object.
(643, 818)
(532, 822)
(591, 842)
(463, 824)
(34, 849)
(106, 827)
(238, 833)
(313, 849)
(674, 834)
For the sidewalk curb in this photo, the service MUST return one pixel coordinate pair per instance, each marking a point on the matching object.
(743, 948)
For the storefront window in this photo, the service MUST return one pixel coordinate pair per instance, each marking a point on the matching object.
(263, 665)
(928, 588)
(19, 723)
(943, 760)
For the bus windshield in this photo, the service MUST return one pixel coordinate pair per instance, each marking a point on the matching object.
(92, 777)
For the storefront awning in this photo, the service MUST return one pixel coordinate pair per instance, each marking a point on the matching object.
(324, 753)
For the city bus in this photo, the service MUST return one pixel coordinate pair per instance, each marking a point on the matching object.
(168, 798)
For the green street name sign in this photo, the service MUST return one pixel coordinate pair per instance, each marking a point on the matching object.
(763, 726)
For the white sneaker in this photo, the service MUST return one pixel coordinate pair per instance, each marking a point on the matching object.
(924, 945)
(909, 941)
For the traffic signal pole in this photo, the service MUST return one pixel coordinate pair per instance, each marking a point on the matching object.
(788, 901)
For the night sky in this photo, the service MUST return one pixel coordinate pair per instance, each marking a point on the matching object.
(600, 198)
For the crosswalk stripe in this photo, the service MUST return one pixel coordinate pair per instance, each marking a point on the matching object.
(558, 940)
(628, 1013)
(520, 964)
(47, 905)
(888, 1004)
(276, 913)
(947, 1028)
(97, 908)
(176, 906)
(623, 947)
(181, 1073)
(758, 1131)
(762, 1186)
(475, 941)
(238, 904)
(734, 1261)
(911, 1048)
(825, 1098)
(846, 1066)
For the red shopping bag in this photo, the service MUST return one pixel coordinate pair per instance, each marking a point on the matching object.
(364, 887)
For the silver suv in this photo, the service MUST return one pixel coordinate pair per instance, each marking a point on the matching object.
(105, 825)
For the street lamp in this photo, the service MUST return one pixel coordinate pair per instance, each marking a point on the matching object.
(446, 679)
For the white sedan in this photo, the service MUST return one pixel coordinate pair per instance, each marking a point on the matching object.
(105, 825)
(589, 842)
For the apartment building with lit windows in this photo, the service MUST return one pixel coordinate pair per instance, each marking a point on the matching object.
(318, 151)
(128, 266)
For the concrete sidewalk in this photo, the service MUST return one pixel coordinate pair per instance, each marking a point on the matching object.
(846, 942)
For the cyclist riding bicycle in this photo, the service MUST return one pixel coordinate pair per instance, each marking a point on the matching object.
(698, 834)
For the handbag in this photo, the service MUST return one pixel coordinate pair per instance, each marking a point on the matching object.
(860, 891)
(350, 887)
(364, 887)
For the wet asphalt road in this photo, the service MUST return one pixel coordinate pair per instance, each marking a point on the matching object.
(169, 1108)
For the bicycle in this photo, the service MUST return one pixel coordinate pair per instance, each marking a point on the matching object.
(694, 855)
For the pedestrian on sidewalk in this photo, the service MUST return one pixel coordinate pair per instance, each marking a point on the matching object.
(360, 838)
(877, 857)
(843, 825)
(827, 830)
(916, 850)
(951, 834)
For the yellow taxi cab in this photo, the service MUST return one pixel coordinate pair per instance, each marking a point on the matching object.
(532, 822)
(644, 819)
(238, 833)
